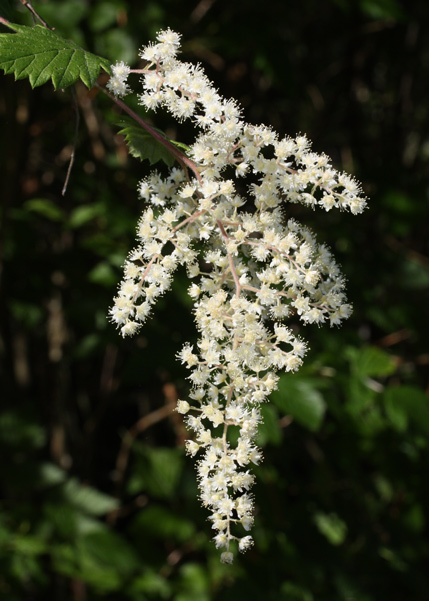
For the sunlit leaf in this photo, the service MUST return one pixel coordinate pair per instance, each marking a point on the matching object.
(42, 55)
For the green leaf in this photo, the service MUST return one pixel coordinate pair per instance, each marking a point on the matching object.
(63, 518)
(28, 314)
(269, 430)
(117, 43)
(49, 474)
(103, 559)
(81, 215)
(28, 544)
(297, 397)
(152, 583)
(161, 523)
(294, 592)
(415, 519)
(46, 208)
(371, 361)
(41, 54)
(407, 403)
(105, 14)
(71, 522)
(157, 471)
(393, 559)
(88, 499)
(103, 274)
(66, 16)
(331, 526)
(414, 273)
(143, 146)
(193, 580)
(17, 430)
(64, 559)
(382, 9)
(106, 549)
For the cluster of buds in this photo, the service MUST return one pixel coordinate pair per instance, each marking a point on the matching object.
(250, 268)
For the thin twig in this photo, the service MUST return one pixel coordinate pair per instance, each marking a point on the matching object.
(76, 131)
(127, 442)
(36, 14)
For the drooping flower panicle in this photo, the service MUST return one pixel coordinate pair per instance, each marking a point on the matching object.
(255, 269)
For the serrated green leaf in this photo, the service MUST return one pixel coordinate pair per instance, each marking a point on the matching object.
(143, 146)
(42, 55)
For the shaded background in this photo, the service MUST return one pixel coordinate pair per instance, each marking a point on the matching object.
(98, 500)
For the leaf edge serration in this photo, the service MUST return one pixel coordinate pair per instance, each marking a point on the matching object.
(81, 64)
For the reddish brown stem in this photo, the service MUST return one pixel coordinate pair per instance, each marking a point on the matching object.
(178, 154)
(36, 14)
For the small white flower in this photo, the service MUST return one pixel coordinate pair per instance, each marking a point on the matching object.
(183, 407)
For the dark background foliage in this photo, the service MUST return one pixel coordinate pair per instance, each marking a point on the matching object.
(98, 500)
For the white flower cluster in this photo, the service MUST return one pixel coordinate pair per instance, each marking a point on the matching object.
(252, 269)
(117, 84)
